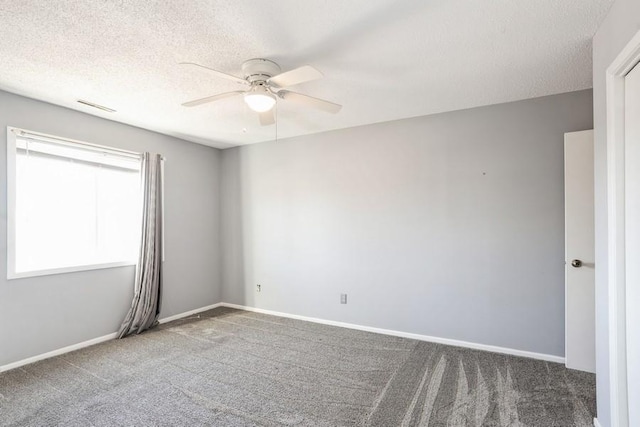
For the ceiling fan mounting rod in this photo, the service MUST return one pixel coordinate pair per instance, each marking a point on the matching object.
(259, 70)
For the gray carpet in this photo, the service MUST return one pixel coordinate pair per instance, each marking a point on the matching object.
(235, 368)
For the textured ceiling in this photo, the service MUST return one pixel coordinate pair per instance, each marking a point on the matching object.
(382, 59)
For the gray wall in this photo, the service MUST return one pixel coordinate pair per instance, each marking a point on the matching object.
(448, 225)
(620, 25)
(41, 314)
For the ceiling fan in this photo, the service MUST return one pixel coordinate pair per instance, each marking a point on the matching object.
(266, 83)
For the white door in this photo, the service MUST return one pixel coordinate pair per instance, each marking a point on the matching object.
(580, 348)
(632, 240)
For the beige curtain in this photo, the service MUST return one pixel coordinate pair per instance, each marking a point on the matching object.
(145, 306)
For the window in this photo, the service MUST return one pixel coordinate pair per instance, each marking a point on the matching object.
(71, 205)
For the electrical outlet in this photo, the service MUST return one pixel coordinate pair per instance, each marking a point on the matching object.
(343, 298)
(258, 288)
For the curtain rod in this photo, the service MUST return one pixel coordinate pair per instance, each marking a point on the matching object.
(60, 140)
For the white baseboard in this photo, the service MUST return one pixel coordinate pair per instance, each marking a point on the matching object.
(188, 313)
(94, 341)
(58, 352)
(596, 423)
(457, 343)
(447, 341)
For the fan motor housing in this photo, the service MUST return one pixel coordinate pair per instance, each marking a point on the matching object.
(259, 69)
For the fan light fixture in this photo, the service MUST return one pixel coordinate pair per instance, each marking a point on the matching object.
(265, 85)
(259, 99)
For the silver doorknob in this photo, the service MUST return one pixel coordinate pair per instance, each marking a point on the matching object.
(576, 263)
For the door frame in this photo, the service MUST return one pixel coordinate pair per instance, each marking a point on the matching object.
(615, 86)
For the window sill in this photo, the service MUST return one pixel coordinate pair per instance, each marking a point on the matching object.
(11, 275)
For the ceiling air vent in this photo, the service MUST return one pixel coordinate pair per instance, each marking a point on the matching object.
(99, 107)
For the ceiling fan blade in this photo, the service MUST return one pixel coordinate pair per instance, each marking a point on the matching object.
(310, 101)
(218, 73)
(211, 98)
(267, 118)
(296, 76)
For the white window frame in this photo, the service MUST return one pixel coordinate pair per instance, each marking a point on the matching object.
(12, 133)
